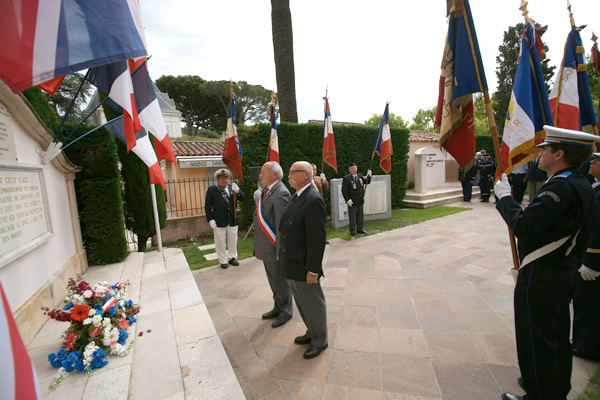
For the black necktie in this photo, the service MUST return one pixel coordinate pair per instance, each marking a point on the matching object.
(224, 194)
(294, 197)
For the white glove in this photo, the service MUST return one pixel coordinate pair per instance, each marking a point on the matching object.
(588, 274)
(502, 188)
(369, 173)
(323, 177)
(350, 202)
(213, 223)
(235, 187)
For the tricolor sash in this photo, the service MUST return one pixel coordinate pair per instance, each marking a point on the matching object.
(264, 223)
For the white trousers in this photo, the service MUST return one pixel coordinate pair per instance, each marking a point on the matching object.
(229, 236)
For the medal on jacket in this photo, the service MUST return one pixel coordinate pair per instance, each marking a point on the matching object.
(224, 194)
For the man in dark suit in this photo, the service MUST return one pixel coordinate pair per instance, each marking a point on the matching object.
(271, 204)
(353, 187)
(220, 204)
(301, 248)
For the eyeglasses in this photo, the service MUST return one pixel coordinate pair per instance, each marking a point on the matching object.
(292, 171)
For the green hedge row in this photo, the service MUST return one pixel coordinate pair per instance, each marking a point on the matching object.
(305, 142)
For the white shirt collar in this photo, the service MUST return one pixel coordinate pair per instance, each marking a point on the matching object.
(303, 188)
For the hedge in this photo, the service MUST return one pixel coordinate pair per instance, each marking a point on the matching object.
(305, 142)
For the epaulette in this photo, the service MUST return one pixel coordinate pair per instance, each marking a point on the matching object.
(564, 175)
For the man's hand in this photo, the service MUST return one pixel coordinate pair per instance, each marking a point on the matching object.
(213, 223)
(323, 177)
(235, 187)
(311, 278)
(369, 173)
(588, 274)
(502, 188)
(350, 203)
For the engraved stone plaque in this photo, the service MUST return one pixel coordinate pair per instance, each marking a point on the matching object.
(8, 151)
(24, 222)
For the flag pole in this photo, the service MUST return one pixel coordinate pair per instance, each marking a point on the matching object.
(233, 122)
(272, 116)
(325, 127)
(156, 221)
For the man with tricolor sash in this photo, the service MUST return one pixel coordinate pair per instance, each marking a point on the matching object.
(552, 235)
(271, 204)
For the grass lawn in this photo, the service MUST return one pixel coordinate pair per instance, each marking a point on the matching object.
(592, 392)
(401, 217)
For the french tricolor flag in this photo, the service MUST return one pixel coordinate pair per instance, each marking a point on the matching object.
(274, 139)
(17, 380)
(143, 149)
(383, 145)
(43, 40)
(111, 301)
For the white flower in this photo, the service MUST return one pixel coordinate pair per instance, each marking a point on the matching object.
(110, 336)
(77, 299)
(97, 320)
(92, 312)
(88, 293)
(87, 321)
(106, 322)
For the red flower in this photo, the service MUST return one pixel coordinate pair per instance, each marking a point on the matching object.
(80, 312)
(123, 324)
(70, 342)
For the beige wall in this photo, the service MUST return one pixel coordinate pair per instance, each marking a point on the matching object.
(39, 276)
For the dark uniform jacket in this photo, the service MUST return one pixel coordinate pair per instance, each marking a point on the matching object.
(564, 204)
(302, 236)
(486, 168)
(352, 189)
(467, 175)
(219, 206)
(591, 258)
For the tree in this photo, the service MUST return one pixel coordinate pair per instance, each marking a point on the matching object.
(65, 93)
(283, 50)
(423, 120)
(252, 101)
(506, 69)
(394, 121)
(482, 123)
(190, 97)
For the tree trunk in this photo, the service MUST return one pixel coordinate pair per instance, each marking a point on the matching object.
(283, 49)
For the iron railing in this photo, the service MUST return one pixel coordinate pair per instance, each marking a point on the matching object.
(185, 197)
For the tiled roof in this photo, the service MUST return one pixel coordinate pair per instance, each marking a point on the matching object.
(423, 136)
(197, 148)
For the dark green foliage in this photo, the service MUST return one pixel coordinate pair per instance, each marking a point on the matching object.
(38, 101)
(305, 142)
(98, 191)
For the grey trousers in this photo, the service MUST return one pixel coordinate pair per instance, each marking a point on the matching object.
(534, 187)
(311, 305)
(355, 214)
(282, 293)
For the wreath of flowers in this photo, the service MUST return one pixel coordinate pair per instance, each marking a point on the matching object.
(99, 317)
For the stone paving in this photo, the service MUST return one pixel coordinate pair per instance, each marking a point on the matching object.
(422, 312)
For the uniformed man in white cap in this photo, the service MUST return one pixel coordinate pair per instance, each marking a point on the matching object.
(552, 234)
(222, 217)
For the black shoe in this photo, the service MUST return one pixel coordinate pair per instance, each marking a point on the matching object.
(302, 340)
(313, 351)
(363, 232)
(234, 262)
(521, 383)
(224, 266)
(280, 321)
(510, 396)
(353, 233)
(327, 242)
(271, 314)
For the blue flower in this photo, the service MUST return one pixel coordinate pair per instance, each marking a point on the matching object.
(79, 365)
(51, 357)
(123, 335)
(72, 357)
(68, 306)
(62, 353)
(97, 306)
(99, 353)
(68, 366)
(112, 310)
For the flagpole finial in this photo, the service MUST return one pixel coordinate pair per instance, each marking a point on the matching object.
(273, 95)
(570, 14)
(594, 37)
(523, 8)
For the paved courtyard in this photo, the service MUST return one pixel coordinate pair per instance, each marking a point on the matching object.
(422, 312)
